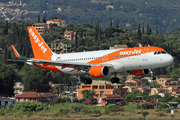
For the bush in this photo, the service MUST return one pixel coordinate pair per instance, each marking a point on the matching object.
(63, 100)
(82, 100)
(162, 106)
(88, 102)
(29, 106)
(1, 112)
(75, 100)
(114, 108)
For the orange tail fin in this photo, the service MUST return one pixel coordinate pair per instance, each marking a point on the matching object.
(39, 46)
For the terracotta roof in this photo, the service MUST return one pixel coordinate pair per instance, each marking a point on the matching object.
(155, 102)
(112, 97)
(56, 20)
(35, 95)
(168, 79)
(141, 103)
(39, 23)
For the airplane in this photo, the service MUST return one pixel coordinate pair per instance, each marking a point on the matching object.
(139, 60)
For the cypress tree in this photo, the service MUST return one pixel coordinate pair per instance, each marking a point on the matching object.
(44, 19)
(5, 30)
(117, 25)
(76, 40)
(147, 29)
(38, 18)
(110, 22)
(139, 32)
(143, 30)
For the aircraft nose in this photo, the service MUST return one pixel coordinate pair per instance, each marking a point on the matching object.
(169, 59)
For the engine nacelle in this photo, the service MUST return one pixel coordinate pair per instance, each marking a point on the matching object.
(141, 72)
(99, 71)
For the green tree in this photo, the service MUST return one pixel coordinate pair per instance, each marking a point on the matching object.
(139, 31)
(37, 79)
(145, 114)
(44, 19)
(89, 95)
(76, 40)
(5, 29)
(38, 18)
(110, 23)
(148, 30)
(7, 78)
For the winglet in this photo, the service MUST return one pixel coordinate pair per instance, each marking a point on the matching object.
(15, 51)
(139, 44)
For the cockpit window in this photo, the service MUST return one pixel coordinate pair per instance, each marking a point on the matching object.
(160, 52)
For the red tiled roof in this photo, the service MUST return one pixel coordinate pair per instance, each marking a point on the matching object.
(35, 95)
(56, 20)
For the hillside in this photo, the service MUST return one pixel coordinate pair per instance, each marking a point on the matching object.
(161, 15)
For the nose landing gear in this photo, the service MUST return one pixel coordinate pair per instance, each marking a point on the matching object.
(152, 77)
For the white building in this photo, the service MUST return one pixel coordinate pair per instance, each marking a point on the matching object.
(7, 101)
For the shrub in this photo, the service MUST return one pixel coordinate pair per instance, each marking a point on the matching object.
(82, 100)
(88, 102)
(1, 112)
(75, 100)
(145, 114)
(162, 106)
(114, 108)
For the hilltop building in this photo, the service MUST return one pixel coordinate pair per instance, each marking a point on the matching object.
(59, 22)
(42, 27)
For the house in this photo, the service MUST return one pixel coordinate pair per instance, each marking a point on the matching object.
(112, 99)
(100, 88)
(45, 97)
(155, 102)
(69, 35)
(131, 88)
(155, 91)
(143, 89)
(165, 82)
(134, 80)
(174, 89)
(7, 101)
(59, 22)
(42, 27)
(18, 88)
(151, 105)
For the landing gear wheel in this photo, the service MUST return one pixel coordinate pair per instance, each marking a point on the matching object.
(88, 81)
(115, 80)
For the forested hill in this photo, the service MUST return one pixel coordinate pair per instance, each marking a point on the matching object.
(160, 14)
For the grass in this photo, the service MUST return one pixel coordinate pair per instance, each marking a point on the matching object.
(80, 111)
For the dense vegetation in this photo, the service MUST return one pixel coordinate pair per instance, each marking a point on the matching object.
(162, 15)
(36, 110)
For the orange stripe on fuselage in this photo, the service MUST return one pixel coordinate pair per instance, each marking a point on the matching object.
(48, 67)
(127, 52)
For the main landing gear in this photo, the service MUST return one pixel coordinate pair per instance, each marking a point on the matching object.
(115, 79)
(87, 80)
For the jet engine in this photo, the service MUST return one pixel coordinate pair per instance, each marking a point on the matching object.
(141, 72)
(99, 71)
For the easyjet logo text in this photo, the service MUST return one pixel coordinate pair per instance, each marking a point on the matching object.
(130, 52)
(36, 40)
